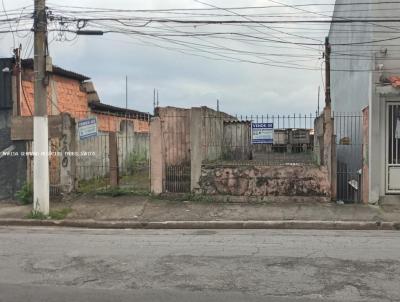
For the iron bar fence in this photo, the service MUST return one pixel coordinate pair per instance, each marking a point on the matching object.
(232, 139)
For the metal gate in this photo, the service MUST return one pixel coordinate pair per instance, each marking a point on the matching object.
(349, 141)
(176, 138)
(393, 148)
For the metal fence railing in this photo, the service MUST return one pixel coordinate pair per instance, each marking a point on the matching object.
(280, 140)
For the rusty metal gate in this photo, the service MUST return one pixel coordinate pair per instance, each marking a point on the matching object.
(393, 148)
(176, 138)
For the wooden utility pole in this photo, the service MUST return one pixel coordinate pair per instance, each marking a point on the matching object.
(327, 73)
(40, 122)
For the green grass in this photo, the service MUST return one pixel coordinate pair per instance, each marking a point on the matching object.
(135, 184)
(25, 195)
(60, 214)
(55, 215)
(36, 215)
(92, 185)
(116, 192)
(200, 198)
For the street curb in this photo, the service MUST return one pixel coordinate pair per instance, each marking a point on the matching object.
(288, 224)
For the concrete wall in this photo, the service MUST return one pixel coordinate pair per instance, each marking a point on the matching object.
(188, 137)
(175, 131)
(237, 141)
(265, 180)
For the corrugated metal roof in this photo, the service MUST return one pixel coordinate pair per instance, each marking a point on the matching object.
(28, 63)
(104, 108)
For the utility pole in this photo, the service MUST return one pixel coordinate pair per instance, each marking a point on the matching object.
(126, 116)
(319, 94)
(17, 73)
(41, 195)
(217, 105)
(154, 100)
(327, 73)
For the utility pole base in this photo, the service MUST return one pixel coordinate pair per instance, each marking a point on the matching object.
(41, 183)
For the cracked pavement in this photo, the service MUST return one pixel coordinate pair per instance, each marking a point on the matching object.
(49, 264)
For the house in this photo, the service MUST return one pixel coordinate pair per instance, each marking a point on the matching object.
(73, 93)
(70, 97)
(364, 86)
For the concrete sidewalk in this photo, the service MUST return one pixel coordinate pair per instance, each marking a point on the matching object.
(141, 209)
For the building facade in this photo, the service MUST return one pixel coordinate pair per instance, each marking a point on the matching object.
(364, 63)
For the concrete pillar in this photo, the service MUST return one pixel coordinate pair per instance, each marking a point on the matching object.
(113, 154)
(365, 150)
(328, 142)
(196, 146)
(68, 161)
(374, 151)
(157, 160)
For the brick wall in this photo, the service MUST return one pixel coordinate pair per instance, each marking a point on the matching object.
(66, 95)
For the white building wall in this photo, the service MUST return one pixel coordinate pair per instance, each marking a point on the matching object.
(353, 89)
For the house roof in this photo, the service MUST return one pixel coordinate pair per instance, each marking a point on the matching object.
(104, 108)
(28, 63)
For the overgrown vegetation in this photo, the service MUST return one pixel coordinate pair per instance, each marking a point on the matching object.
(55, 215)
(25, 195)
(200, 198)
(135, 162)
(120, 191)
(36, 215)
(92, 185)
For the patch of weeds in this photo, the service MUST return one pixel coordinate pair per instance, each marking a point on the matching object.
(137, 181)
(55, 215)
(60, 214)
(135, 161)
(116, 192)
(37, 215)
(92, 185)
(25, 195)
(200, 198)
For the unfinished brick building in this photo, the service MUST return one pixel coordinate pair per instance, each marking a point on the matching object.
(71, 97)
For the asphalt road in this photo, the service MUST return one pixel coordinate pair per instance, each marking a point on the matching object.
(49, 264)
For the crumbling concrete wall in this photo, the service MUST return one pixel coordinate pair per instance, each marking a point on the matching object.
(237, 141)
(265, 180)
(175, 133)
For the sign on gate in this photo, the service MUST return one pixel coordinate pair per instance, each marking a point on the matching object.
(87, 128)
(262, 133)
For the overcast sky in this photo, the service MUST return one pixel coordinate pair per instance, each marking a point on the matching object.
(182, 80)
